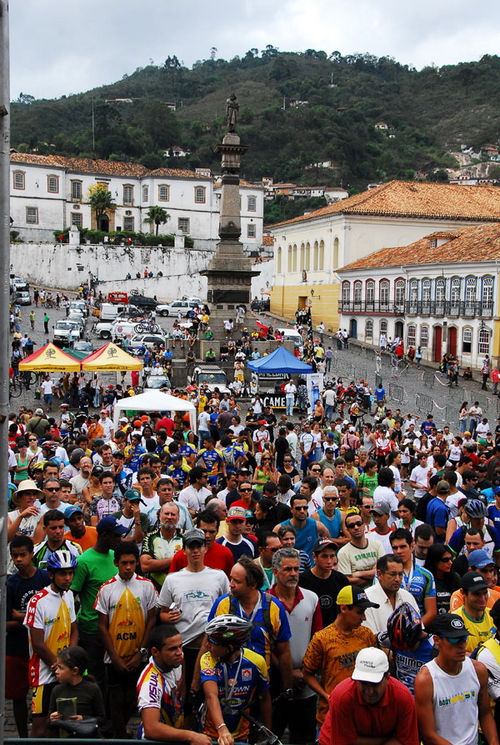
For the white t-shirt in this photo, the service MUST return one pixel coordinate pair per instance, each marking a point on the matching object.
(194, 593)
(47, 387)
(194, 499)
(150, 508)
(204, 421)
(107, 426)
(330, 397)
(290, 388)
(419, 476)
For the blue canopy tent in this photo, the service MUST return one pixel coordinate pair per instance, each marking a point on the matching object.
(280, 361)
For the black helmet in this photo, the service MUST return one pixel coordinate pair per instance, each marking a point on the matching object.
(404, 627)
(475, 508)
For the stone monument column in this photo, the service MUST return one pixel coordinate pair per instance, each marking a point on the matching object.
(230, 272)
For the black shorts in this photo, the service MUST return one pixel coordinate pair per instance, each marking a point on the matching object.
(116, 678)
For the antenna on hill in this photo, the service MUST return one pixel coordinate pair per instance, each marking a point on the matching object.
(93, 127)
(213, 53)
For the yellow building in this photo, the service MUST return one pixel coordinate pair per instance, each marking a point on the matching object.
(308, 250)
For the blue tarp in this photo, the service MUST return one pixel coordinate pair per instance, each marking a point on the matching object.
(280, 361)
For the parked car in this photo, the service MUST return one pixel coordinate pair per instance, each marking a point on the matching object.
(157, 382)
(212, 377)
(80, 305)
(103, 329)
(172, 309)
(123, 328)
(141, 301)
(83, 346)
(23, 297)
(146, 340)
(63, 328)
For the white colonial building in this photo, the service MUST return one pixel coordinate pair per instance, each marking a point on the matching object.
(309, 250)
(439, 293)
(50, 192)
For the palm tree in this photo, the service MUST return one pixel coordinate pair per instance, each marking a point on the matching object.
(158, 216)
(100, 201)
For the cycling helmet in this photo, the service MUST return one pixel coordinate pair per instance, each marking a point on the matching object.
(475, 508)
(61, 559)
(404, 627)
(97, 470)
(228, 629)
(49, 447)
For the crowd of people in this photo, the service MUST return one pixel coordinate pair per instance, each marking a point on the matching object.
(334, 578)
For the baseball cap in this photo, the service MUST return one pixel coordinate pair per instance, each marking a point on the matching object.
(328, 450)
(236, 513)
(110, 524)
(123, 419)
(195, 535)
(371, 665)
(72, 510)
(449, 625)
(443, 487)
(322, 543)
(473, 582)
(480, 559)
(133, 495)
(381, 509)
(351, 595)
(38, 412)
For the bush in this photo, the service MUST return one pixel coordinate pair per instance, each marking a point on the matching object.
(137, 239)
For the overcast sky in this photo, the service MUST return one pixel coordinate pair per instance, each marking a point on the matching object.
(61, 47)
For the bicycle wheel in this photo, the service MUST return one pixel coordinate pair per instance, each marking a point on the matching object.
(141, 328)
(15, 389)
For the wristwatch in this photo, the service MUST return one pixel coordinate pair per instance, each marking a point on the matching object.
(144, 651)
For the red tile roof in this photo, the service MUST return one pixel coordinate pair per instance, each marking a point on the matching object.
(415, 199)
(268, 240)
(470, 244)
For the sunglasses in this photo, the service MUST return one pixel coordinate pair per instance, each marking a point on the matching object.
(301, 508)
(246, 489)
(315, 470)
(354, 525)
(52, 488)
(458, 640)
(330, 499)
(446, 560)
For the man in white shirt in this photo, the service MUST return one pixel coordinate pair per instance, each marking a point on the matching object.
(293, 441)
(290, 391)
(384, 493)
(419, 477)
(47, 387)
(194, 495)
(387, 593)
(107, 425)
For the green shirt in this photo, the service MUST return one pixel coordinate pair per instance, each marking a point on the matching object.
(368, 482)
(92, 571)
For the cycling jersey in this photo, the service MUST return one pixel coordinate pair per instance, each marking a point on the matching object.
(161, 690)
(237, 684)
(408, 663)
(136, 453)
(101, 507)
(211, 460)
(180, 474)
(420, 583)
(126, 603)
(53, 613)
(42, 551)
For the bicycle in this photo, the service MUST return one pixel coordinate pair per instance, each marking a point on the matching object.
(147, 327)
(15, 388)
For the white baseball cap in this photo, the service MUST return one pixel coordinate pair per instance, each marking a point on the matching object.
(371, 665)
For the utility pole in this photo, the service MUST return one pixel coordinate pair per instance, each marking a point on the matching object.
(4, 326)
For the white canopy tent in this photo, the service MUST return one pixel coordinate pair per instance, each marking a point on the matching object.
(152, 401)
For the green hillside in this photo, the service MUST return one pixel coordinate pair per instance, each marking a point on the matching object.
(428, 112)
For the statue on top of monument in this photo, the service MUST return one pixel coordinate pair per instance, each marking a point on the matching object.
(232, 108)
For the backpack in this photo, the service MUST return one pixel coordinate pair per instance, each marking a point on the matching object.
(266, 614)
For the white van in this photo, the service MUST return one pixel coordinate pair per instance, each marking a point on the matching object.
(291, 335)
(110, 311)
(123, 329)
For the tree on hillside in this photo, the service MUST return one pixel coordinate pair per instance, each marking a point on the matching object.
(158, 216)
(100, 201)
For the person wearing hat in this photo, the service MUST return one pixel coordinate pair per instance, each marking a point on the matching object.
(235, 541)
(381, 513)
(84, 535)
(187, 596)
(479, 561)
(370, 706)
(474, 612)
(95, 567)
(23, 520)
(323, 579)
(332, 651)
(438, 513)
(131, 517)
(451, 691)
(476, 519)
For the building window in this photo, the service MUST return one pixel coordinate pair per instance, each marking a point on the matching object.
(440, 290)
(413, 291)
(370, 292)
(483, 346)
(128, 194)
(199, 194)
(322, 254)
(294, 257)
(279, 260)
(358, 289)
(335, 253)
(369, 329)
(183, 224)
(302, 257)
(315, 256)
(412, 336)
(383, 327)
(470, 291)
(32, 215)
(455, 291)
(346, 293)
(76, 191)
(163, 193)
(128, 224)
(53, 184)
(467, 341)
(290, 259)
(145, 193)
(424, 337)
(308, 257)
(76, 219)
(18, 180)
(251, 230)
(487, 293)
(399, 293)
(252, 204)
(384, 293)
(426, 294)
